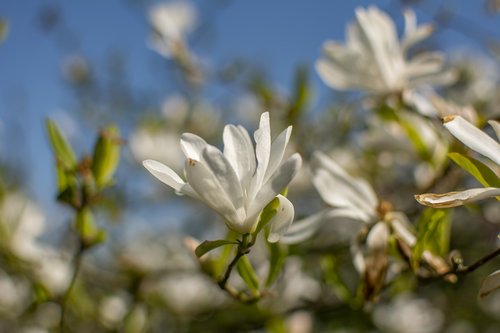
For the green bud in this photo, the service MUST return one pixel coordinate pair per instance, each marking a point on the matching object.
(106, 156)
(63, 152)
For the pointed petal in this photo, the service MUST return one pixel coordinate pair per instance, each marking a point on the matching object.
(338, 188)
(453, 199)
(414, 34)
(192, 145)
(262, 138)
(281, 220)
(490, 284)
(473, 137)
(276, 183)
(277, 152)
(164, 174)
(238, 150)
(210, 191)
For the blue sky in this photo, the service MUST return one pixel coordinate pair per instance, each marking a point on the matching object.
(277, 34)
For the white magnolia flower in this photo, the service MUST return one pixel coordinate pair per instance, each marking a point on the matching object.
(375, 60)
(478, 141)
(171, 22)
(239, 182)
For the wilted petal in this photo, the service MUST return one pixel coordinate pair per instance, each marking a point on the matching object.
(490, 284)
(192, 146)
(238, 150)
(453, 199)
(276, 183)
(281, 220)
(473, 137)
(164, 174)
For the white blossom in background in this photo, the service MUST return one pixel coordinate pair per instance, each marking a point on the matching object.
(22, 224)
(374, 60)
(171, 22)
(478, 141)
(239, 182)
(408, 314)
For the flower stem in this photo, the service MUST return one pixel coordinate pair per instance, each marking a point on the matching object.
(77, 263)
(243, 249)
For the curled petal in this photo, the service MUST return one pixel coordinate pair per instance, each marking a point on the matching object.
(164, 174)
(277, 152)
(281, 220)
(262, 138)
(454, 199)
(496, 127)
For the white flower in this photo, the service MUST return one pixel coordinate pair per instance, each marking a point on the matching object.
(478, 141)
(171, 22)
(239, 182)
(374, 60)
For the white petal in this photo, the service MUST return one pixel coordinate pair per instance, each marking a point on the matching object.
(277, 151)
(262, 138)
(281, 220)
(303, 229)
(378, 237)
(425, 64)
(225, 174)
(164, 174)
(278, 181)
(473, 137)
(402, 227)
(306, 228)
(238, 150)
(192, 146)
(453, 199)
(338, 188)
(210, 191)
(490, 284)
(496, 127)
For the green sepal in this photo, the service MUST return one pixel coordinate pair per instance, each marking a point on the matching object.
(477, 169)
(63, 152)
(277, 258)
(247, 273)
(106, 156)
(433, 234)
(207, 246)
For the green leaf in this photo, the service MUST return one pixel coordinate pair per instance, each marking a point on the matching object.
(433, 234)
(267, 214)
(278, 254)
(416, 140)
(106, 156)
(62, 150)
(207, 246)
(477, 169)
(247, 273)
(301, 95)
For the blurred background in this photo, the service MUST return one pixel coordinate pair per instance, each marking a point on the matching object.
(87, 64)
